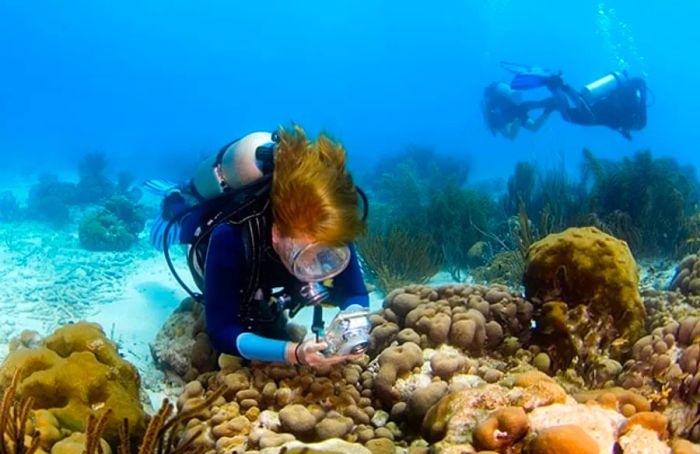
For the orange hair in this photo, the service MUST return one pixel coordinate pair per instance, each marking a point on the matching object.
(312, 192)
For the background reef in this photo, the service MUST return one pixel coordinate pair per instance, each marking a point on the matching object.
(475, 232)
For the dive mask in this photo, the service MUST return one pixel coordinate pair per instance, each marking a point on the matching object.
(313, 262)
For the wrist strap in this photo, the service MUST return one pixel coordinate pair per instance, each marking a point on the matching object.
(296, 353)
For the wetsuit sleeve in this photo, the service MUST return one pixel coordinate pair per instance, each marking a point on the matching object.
(223, 283)
(349, 286)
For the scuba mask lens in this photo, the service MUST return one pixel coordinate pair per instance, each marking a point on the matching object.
(316, 262)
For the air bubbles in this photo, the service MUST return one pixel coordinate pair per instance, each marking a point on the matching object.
(618, 40)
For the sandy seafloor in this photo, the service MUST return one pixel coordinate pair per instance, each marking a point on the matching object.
(47, 279)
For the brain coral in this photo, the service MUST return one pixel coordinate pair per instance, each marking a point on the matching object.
(75, 371)
(585, 282)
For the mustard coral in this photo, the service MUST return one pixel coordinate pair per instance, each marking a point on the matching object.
(75, 372)
(584, 285)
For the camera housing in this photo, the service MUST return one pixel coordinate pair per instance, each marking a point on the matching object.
(348, 334)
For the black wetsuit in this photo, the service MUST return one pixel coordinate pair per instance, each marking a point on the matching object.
(623, 110)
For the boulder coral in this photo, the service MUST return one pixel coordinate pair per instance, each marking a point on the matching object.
(181, 348)
(664, 365)
(72, 373)
(114, 227)
(584, 285)
(268, 406)
(473, 318)
(687, 278)
(429, 341)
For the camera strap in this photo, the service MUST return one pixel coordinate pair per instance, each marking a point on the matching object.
(317, 325)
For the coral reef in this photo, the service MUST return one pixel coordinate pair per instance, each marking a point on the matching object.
(397, 257)
(472, 318)
(446, 338)
(584, 285)
(94, 186)
(451, 369)
(648, 202)
(422, 195)
(115, 227)
(530, 412)
(72, 373)
(369, 405)
(521, 187)
(664, 367)
(50, 200)
(644, 200)
(267, 406)
(181, 348)
(126, 187)
(27, 431)
(458, 220)
(504, 268)
(552, 200)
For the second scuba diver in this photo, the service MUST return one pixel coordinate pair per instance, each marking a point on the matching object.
(270, 222)
(615, 100)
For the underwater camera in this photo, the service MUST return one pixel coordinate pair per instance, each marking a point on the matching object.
(348, 333)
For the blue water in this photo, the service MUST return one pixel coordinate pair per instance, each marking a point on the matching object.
(154, 83)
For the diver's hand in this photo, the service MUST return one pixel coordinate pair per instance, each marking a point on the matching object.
(173, 204)
(310, 353)
(554, 81)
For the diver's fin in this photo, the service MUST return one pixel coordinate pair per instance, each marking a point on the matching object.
(528, 77)
(529, 81)
(158, 239)
(159, 187)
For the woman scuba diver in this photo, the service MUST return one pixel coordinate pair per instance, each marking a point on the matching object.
(270, 221)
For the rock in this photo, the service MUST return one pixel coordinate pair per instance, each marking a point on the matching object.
(380, 418)
(297, 419)
(380, 446)
(333, 427)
